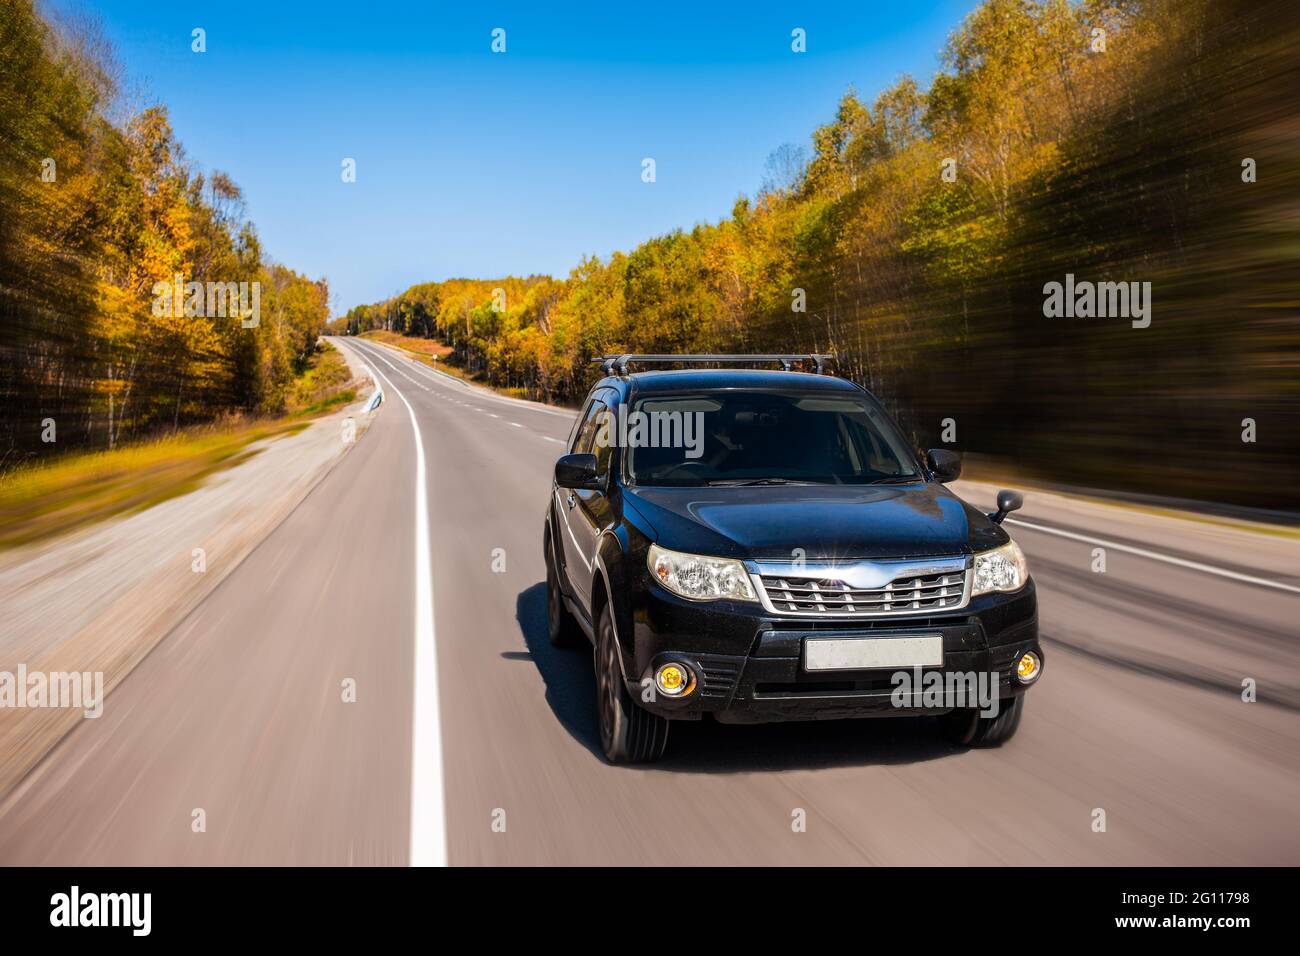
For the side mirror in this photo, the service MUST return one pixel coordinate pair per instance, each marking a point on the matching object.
(945, 464)
(576, 471)
(1008, 501)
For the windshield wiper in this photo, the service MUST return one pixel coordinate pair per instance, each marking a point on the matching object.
(739, 482)
(757, 481)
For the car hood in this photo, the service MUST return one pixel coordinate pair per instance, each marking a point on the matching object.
(825, 521)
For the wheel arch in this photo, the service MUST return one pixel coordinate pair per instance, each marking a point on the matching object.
(610, 587)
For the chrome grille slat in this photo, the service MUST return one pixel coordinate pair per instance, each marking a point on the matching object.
(838, 592)
(833, 597)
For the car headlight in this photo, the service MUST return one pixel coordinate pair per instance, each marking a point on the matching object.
(700, 578)
(1002, 569)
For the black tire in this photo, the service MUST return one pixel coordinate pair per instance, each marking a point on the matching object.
(561, 627)
(628, 734)
(966, 728)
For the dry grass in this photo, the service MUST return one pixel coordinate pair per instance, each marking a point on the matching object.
(425, 348)
(433, 354)
(50, 498)
(46, 499)
(326, 383)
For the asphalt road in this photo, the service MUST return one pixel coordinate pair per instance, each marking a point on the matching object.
(240, 711)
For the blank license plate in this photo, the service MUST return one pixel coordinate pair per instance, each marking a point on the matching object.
(865, 653)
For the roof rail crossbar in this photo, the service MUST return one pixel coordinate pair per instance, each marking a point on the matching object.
(617, 364)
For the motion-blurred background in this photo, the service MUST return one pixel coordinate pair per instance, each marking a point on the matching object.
(1144, 141)
(1125, 165)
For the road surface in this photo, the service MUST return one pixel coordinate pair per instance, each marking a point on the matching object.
(486, 753)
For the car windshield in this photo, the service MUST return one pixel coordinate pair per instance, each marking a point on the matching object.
(739, 437)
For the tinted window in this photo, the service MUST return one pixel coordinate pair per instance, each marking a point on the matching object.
(577, 424)
(734, 437)
(604, 437)
(590, 425)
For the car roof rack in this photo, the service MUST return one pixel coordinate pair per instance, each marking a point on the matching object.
(617, 364)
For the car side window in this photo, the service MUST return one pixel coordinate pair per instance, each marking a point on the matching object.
(590, 425)
(604, 449)
(577, 425)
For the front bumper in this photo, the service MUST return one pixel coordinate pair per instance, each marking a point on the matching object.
(749, 664)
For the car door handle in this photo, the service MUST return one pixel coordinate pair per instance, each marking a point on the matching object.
(572, 501)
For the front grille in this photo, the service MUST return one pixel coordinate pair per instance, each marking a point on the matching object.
(933, 592)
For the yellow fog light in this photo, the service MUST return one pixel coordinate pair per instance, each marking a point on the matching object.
(674, 680)
(1028, 668)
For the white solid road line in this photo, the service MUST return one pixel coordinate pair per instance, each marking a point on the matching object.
(1156, 556)
(428, 844)
(382, 358)
(417, 367)
(481, 393)
(399, 371)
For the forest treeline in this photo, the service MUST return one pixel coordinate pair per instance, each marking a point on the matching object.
(97, 213)
(1112, 140)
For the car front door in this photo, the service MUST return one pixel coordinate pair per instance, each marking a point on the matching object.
(592, 513)
(575, 527)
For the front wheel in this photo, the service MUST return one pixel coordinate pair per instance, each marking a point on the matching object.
(628, 734)
(966, 728)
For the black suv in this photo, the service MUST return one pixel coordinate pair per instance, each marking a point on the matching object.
(764, 545)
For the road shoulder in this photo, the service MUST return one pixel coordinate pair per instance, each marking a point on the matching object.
(98, 601)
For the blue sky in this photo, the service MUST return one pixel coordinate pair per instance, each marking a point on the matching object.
(471, 163)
